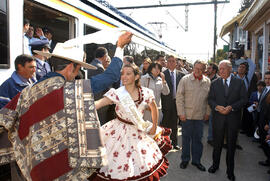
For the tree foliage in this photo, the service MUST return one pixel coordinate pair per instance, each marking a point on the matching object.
(220, 55)
(245, 4)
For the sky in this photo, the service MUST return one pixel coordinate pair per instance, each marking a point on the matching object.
(197, 42)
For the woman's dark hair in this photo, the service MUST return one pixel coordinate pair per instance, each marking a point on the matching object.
(136, 71)
(153, 65)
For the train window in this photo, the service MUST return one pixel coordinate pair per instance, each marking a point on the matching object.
(4, 44)
(90, 48)
(59, 24)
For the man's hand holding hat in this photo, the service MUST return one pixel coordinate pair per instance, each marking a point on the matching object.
(124, 39)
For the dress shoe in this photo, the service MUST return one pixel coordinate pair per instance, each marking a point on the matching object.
(264, 163)
(231, 177)
(176, 147)
(239, 147)
(225, 146)
(183, 165)
(199, 166)
(212, 169)
(210, 142)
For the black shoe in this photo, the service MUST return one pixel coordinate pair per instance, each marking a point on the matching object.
(212, 169)
(239, 147)
(176, 147)
(264, 163)
(199, 166)
(225, 146)
(210, 142)
(183, 165)
(268, 171)
(231, 177)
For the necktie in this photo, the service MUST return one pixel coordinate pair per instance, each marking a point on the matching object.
(226, 87)
(173, 84)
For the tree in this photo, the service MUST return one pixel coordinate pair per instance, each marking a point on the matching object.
(245, 4)
(220, 55)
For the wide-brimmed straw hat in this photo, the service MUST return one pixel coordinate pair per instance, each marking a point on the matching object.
(71, 53)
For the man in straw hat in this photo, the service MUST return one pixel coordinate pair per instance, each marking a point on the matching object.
(53, 125)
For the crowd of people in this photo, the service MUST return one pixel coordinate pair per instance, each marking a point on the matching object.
(121, 120)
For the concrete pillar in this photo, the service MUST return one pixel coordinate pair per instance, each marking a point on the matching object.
(254, 45)
(265, 47)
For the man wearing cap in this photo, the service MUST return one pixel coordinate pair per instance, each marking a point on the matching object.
(42, 66)
(53, 125)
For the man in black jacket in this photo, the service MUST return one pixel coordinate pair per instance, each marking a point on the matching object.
(227, 97)
(170, 118)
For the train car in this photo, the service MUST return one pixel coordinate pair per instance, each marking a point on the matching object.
(66, 20)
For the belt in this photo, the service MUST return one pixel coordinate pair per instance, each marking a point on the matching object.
(124, 121)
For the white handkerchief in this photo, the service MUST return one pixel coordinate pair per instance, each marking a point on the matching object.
(251, 108)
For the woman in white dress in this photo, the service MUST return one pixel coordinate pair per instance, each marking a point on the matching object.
(133, 147)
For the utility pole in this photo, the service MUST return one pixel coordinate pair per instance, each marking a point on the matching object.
(215, 30)
(215, 2)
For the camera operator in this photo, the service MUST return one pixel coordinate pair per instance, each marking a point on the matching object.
(237, 56)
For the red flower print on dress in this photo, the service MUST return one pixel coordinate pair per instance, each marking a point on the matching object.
(119, 167)
(142, 167)
(133, 134)
(132, 147)
(111, 170)
(128, 154)
(115, 154)
(117, 98)
(123, 146)
(149, 164)
(118, 138)
(154, 155)
(140, 137)
(143, 151)
(126, 167)
(113, 132)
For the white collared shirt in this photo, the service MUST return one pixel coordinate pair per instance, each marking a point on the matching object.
(228, 80)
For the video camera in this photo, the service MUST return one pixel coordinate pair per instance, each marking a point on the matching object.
(237, 52)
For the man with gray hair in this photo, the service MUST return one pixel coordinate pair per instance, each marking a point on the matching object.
(193, 110)
(226, 98)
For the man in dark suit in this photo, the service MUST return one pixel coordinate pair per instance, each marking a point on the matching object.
(262, 121)
(170, 118)
(226, 98)
(101, 55)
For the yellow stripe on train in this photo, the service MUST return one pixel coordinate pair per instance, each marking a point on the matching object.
(59, 2)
